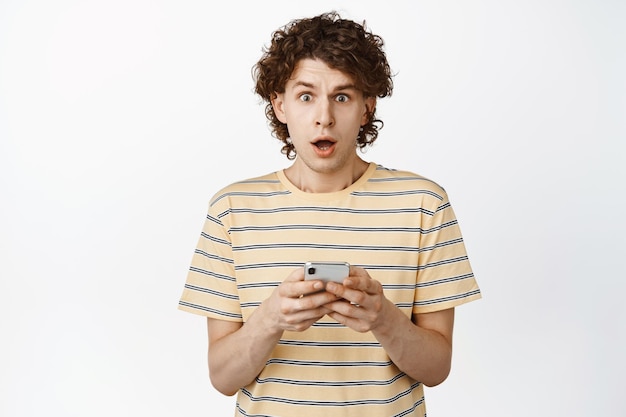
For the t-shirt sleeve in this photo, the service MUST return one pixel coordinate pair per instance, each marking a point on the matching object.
(211, 289)
(445, 278)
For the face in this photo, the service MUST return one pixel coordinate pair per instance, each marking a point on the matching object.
(323, 111)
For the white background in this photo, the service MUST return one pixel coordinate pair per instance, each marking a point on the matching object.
(119, 119)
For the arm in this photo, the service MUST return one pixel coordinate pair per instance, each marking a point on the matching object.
(238, 352)
(422, 349)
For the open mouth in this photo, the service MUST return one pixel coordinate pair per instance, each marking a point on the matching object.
(323, 144)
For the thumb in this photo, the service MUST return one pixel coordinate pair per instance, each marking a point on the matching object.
(296, 275)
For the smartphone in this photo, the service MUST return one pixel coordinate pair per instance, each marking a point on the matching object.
(326, 271)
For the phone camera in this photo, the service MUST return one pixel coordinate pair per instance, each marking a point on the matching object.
(311, 271)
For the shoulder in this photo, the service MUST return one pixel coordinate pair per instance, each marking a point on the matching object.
(255, 187)
(402, 181)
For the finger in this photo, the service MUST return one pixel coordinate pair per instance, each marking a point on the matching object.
(337, 289)
(315, 301)
(294, 286)
(341, 291)
(360, 280)
(301, 322)
(295, 275)
(302, 314)
(356, 276)
(299, 289)
(346, 308)
(356, 324)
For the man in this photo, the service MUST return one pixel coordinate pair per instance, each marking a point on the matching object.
(295, 347)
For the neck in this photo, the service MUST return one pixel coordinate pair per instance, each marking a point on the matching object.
(311, 181)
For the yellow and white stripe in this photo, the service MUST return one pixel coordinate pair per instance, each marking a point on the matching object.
(397, 225)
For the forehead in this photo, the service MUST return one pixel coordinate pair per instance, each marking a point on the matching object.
(317, 73)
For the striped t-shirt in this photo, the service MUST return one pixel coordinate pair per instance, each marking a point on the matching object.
(397, 225)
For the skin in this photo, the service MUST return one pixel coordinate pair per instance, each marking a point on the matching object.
(321, 106)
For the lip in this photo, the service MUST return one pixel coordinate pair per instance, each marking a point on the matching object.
(323, 138)
(328, 148)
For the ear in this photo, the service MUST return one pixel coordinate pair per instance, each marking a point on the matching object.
(278, 106)
(370, 106)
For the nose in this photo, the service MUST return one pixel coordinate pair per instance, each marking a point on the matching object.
(324, 114)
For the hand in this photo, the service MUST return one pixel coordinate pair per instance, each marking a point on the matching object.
(296, 304)
(361, 305)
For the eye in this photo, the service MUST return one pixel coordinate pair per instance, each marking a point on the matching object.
(342, 98)
(305, 97)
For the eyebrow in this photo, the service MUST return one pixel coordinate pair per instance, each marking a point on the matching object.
(340, 87)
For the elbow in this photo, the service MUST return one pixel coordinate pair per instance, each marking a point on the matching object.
(220, 383)
(223, 384)
(228, 393)
(440, 369)
(437, 378)
(221, 387)
(434, 382)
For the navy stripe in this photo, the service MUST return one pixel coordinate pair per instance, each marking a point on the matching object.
(258, 181)
(390, 267)
(445, 299)
(325, 246)
(410, 410)
(251, 285)
(344, 247)
(338, 228)
(330, 383)
(403, 179)
(212, 292)
(373, 267)
(214, 239)
(268, 265)
(249, 194)
(445, 280)
(444, 206)
(214, 257)
(396, 193)
(332, 403)
(214, 220)
(317, 344)
(301, 209)
(386, 287)
(223, 214)
(440, 227)
(365, 266)
(211, 274)
(443, 262)
(399, 286)
(210, 310)
(442, 244)
(325, 364)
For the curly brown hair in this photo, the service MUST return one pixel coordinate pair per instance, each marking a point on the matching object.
(343, 45)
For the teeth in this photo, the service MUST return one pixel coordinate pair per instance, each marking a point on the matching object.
(324, 144)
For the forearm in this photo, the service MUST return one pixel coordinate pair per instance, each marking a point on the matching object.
(238, 353)
(423, 354)
(237, 358)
